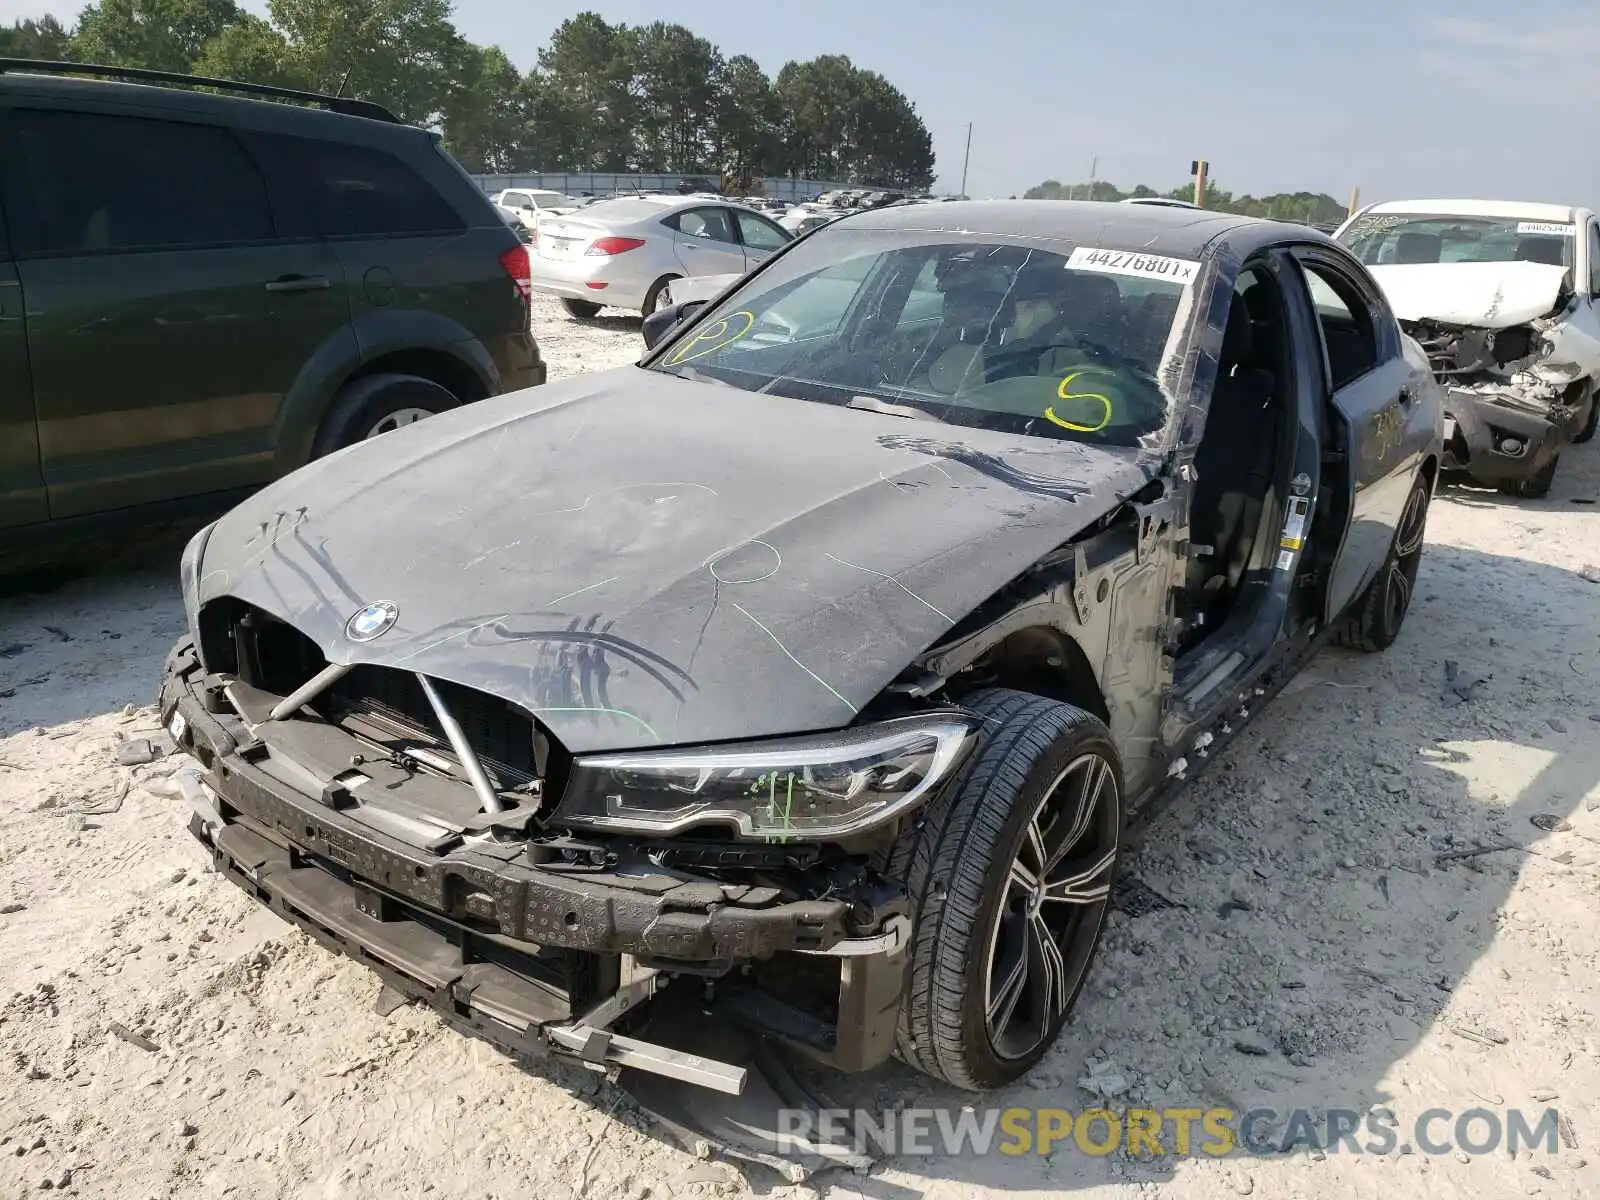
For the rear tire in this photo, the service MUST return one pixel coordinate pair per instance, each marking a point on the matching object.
(365, 407)
(652, 298)
(581, 309)
(1373, 622)
(1536, 486)
(1037, 811)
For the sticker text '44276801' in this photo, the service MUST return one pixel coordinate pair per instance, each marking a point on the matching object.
(1130, 262)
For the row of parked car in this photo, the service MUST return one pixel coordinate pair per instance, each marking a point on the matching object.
(381, 287)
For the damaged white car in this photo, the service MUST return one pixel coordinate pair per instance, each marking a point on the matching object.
(1505, 298)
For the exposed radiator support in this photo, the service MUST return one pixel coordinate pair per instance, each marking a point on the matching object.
(463, 748)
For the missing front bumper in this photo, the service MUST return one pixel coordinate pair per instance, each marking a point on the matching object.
(1501, 441)
(521, 954)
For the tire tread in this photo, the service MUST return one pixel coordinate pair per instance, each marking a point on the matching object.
(954, 844)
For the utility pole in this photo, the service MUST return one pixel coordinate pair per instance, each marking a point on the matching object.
(1198, 169)
(1094, 169)
(965, 159)
(1355, 202)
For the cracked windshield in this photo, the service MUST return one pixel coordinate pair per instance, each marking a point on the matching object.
(1048, 341)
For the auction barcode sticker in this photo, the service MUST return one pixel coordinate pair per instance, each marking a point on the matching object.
(1554, 227)
(1130, 262)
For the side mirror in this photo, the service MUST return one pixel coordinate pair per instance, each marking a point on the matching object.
(664, 320)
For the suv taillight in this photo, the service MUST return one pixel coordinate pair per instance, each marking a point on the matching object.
(615, 245)
(515, 262)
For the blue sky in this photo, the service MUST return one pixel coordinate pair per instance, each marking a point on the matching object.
(1474, 98)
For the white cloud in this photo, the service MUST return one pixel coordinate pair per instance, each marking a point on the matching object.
(1533, 57)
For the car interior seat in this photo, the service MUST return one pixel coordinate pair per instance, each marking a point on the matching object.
(1418, 247)
(977, 312)
(1093, 308)
(1234, 465)
(1038, 297)
(1081, 307)
(1540, 250)
(1148, 325)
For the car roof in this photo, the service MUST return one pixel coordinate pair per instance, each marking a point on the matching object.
(1522, 210)
(263, 112)
(1155, 228)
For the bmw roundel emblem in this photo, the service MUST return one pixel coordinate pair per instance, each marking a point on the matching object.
(373, 621)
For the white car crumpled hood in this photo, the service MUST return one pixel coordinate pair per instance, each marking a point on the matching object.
(1487, 295)
(1496, 296)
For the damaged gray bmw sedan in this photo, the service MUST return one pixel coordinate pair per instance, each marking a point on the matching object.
(818, 661)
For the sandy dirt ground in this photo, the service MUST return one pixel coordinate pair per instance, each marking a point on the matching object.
(1312, 925)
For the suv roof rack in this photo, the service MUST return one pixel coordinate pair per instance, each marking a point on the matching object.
(339, 104)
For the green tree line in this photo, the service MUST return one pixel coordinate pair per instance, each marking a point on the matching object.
(603, 96)
(1311, 208)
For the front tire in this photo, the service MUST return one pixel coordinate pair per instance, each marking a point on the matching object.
(652, 298)
(1375, 619)
(1010, 874)
(376, 404)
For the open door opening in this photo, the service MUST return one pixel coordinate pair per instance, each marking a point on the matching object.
(1242, 466)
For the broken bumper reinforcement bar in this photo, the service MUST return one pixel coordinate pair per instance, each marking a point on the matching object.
(484, 938)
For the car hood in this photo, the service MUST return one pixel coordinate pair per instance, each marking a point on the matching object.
(640, 559)
(1485, 295)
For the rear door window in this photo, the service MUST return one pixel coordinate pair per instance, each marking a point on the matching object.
(760, 233)
(710, 223)
(334, 189)
(86, 183)
(1348, 329)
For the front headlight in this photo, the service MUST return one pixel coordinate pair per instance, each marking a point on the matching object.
(813, 788)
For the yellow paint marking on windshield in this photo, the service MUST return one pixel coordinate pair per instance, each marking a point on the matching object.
(1065, 392)
(714, 337)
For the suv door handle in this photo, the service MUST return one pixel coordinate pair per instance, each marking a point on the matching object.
(300, 283)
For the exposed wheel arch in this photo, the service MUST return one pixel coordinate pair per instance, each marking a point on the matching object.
(1043, 661)
(444, 369)
(1430, 471)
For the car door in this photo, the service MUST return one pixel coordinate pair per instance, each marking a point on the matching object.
(22, 495)
(705, 241)
(1373, 405)
(412, 262)
(166, 320)
(760, 236)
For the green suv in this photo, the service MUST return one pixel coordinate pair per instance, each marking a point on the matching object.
(200, 292)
